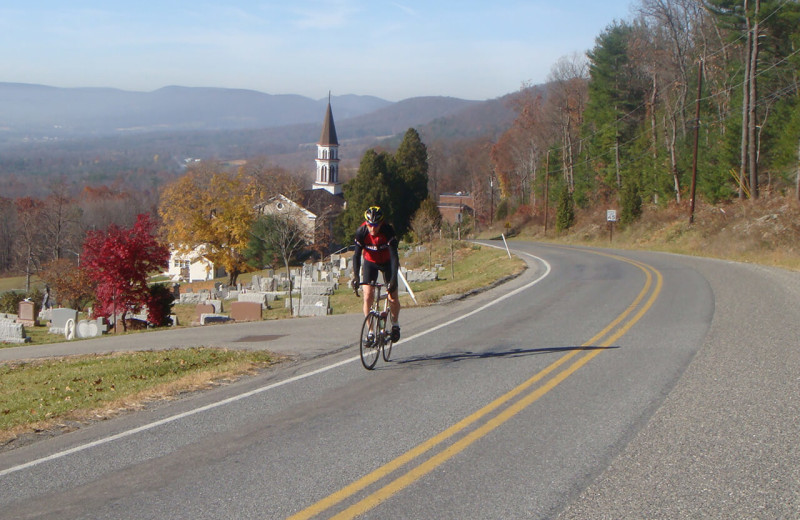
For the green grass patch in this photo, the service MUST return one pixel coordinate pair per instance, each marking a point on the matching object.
(466, 268)
(17, 283)
(39, 394)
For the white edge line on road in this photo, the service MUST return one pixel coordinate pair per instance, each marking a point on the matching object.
(251, 393)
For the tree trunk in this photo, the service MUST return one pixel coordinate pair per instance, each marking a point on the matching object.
(745, 108)
(289, 275)
(751, 118)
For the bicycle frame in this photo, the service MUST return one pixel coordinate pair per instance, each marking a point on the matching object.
(376, 322)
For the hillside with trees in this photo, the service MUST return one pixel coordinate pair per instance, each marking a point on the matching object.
(690, 103)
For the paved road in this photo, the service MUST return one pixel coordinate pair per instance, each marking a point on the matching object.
(620, 385)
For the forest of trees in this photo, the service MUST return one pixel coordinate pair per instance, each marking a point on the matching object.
(624, 118)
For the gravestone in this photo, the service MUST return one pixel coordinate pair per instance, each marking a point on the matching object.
(11, 332)
(90, 328)
(27, 313)
(59, 317)
(254, 297)
(189, 298)
(203, 308)
(246, 311)
(217, 304)
(210, 317)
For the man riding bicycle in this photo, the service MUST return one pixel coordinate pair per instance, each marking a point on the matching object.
(376, 240)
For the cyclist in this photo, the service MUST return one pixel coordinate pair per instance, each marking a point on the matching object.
(378, 243)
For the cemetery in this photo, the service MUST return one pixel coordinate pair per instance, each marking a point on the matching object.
(313, 285)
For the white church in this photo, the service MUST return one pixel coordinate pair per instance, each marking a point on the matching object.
(321, 204)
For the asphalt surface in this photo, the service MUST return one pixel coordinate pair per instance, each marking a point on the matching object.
(724, 442)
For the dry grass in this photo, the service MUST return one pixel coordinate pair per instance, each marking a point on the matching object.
(764, 231)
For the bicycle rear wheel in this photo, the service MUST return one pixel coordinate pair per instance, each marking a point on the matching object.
(370, 349)
(386, 326)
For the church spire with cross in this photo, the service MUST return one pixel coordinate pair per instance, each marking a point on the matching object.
(327, 160)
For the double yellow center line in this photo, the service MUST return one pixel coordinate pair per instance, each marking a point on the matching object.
(605, 338)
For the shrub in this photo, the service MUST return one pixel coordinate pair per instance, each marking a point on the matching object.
(9, 301)
(159, 305)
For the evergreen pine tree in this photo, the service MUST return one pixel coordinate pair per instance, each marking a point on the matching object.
(566, 210)
(631, 203)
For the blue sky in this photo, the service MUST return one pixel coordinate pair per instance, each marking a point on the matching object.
(390, 49)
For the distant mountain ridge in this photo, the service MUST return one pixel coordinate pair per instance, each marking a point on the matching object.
(27, 108)
(101, 135)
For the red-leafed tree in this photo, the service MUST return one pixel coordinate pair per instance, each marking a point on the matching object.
(119, 262)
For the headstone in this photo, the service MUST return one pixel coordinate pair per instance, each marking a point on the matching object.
(27, 313)
(69, 329)
(209, 318)
(319, 288)
(84, 329)
(191, 298)
(11, 332)
(90, 328)
(421, 276)
(58, 321)
(45, 315)
(203, 308)
(217, 304)
(246, 311)
(256, 297)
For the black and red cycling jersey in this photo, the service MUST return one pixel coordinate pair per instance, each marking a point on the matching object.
(380, 249)
(377, 249)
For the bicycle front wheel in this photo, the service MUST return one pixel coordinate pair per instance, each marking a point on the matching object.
(386, 325)
(370, 346)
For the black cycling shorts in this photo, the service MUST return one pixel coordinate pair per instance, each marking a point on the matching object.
(370, 271)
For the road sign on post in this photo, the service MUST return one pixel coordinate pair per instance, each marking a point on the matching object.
(611, 217)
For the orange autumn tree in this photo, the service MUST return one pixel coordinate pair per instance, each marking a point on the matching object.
(210, 209)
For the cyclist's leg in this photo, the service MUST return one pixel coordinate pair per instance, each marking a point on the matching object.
(369, 298)
(370, 272)
(394, 303)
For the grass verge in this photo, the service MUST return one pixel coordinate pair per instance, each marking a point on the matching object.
(48, 394)
(464, 268)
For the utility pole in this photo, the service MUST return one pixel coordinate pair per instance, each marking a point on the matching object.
(547, 189)
(696, 137)
(491, 200)
(797, 188)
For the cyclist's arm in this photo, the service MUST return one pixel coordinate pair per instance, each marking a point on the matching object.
(394, 261)
(357, 260)
(357, 254)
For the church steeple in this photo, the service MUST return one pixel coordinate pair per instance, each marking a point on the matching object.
(328, 156)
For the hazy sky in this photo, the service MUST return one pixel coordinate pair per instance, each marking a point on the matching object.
(390, 49)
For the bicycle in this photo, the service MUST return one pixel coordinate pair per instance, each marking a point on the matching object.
(379, 323)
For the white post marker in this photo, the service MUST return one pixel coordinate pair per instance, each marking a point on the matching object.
(408, 287)
(506, 243)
